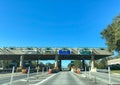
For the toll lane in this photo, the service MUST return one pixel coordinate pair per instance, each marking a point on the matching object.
(69, 78)
(6, 79)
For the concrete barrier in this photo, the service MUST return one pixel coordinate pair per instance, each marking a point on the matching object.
(102, 70)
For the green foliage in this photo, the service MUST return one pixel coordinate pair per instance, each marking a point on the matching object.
(33, 63)
(115, 71)
(102, 63)
(118, 56)
(50, 65)
(77, 63)
(96, 63)
(69, 65)
(112, 34)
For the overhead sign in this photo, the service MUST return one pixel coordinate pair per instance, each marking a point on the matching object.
(85, 52)
(64, 52)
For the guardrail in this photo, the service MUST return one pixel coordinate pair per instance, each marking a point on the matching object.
(102, 70)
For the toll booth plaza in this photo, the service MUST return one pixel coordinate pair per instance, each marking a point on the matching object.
(57, 54)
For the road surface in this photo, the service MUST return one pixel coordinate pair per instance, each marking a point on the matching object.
(62, 78)
(16, 77)
(69, 78)
(115, 78)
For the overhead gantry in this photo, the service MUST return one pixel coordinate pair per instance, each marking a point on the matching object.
(57, 54)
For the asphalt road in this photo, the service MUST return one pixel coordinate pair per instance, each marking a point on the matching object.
(6, 79)
(63, 78)
(115, 78)
(69, 78)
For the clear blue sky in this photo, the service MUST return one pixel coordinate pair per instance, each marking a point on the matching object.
(55, 23)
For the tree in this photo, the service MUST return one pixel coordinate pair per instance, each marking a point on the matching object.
(102, 63)
(69, 65)
(78, 63)
(112, 34)
(50, 65)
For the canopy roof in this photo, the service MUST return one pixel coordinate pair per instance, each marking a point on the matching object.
(50, 53)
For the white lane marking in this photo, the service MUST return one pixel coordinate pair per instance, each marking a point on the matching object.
(44, 80)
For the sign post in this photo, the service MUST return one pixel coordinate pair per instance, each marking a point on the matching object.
(89, 73)
(109, 76)
(85, 72)
(28, 74)
(13, 69)
(43, 70)
(37, 71)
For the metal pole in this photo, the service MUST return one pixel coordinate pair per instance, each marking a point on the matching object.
(89, 71)
(42, 70)
(2, 64)
(46, 69)
(85, 72)
(49, 67)
(109, 75)
(92, 63)
(37, 72)
(13, 69)
(28, 74)
(21, 61)
(95, 80)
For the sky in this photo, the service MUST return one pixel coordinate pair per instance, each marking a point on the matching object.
(55, 23)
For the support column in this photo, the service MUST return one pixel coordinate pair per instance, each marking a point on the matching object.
(56, 62)
(37, 63)
(93, 69)
(92, 62)
(60, 65)
(21, 61)
(2, 64)
(83, 64)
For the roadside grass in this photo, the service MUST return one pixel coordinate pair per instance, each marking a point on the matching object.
(115, 71)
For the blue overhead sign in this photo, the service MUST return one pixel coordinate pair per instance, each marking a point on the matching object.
(64, 52)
